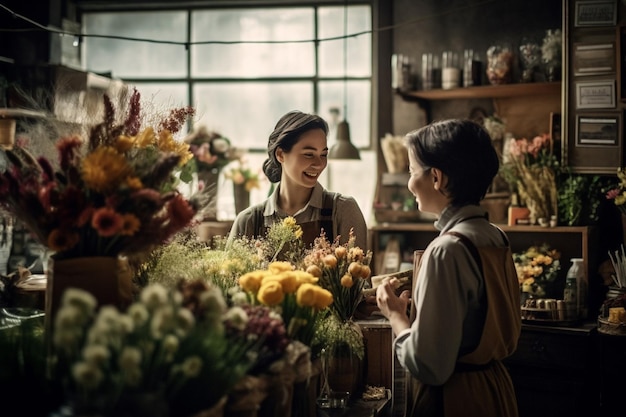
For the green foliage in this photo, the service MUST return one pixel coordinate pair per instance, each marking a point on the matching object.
(579, 197)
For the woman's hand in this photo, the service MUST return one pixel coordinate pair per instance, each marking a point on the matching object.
(391, 305)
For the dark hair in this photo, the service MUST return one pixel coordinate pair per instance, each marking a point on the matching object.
(462, 150)
(286, 134)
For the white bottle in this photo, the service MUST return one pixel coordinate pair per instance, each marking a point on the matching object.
(577, 272)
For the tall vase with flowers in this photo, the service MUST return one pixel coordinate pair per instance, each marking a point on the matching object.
(531, 169)
(244, 180)
(110, 196)
(211, 153)
(342, 270)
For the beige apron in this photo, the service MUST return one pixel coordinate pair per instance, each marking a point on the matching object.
(480, 385)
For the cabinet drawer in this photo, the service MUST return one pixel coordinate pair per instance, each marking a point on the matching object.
(548, 350)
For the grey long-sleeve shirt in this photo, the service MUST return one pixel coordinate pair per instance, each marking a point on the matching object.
(450, 298)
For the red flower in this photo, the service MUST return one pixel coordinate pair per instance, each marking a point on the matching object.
(107, 221)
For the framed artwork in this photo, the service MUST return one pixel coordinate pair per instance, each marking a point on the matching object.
(593, 59)
(598, 129)
(595, 94)
(595, 13)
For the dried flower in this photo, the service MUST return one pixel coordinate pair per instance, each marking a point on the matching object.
(551, 48)
(114, 193)
(531, 169)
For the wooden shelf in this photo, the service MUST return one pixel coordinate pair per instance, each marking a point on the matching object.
(487, 91)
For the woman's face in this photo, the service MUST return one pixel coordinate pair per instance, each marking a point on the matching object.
(306, 160)
(423, 185)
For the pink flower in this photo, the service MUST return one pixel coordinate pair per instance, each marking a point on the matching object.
(612, 194)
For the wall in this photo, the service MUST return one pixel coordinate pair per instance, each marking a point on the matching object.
(439, 25)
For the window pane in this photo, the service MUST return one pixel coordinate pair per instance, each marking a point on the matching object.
(331, 24)
(127, 59)
(160, 98)
(358, 106)
(246, 113)
(253, 60)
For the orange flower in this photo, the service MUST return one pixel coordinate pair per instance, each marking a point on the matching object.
(107, 222)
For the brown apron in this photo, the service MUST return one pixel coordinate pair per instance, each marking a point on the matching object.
(480, 385)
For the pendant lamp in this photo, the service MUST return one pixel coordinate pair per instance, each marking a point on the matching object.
(343, 148)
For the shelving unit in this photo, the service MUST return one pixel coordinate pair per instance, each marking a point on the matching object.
(487, 91)
(572, 242)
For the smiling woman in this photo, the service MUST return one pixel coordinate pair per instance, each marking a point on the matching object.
(297, 155)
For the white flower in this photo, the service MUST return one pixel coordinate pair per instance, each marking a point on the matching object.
(154, 296)
(132, 377)
(162, 322)
(192, 366)
(237, 317)
(213, 300)
(185, 322)
(68, 317)
(87, 375)
(80, 299)
(138, 313)
(96, 354)
(170, 344)
(130, 358)
(239, 298)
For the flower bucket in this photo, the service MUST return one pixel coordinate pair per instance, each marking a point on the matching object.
(242, 197)
(108, 279)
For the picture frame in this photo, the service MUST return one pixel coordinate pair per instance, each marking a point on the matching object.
(595, 94)
(595, 13)
(594, 58)
(598, 130)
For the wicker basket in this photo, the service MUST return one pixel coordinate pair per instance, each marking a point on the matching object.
(614, 329)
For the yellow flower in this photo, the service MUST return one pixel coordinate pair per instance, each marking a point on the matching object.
(251, 281)
(286, 279)
(124, 143)
(347, 281)
(145, 138)
(134, 183)
(254, 183)
(304, 277)
(104, 169)
(323, 298)
(271, 293)
(279, 266)
(305, 296)
(167, 143)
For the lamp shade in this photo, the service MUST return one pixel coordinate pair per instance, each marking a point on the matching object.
(343, 148)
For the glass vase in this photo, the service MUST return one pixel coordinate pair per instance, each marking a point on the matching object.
(499, 64)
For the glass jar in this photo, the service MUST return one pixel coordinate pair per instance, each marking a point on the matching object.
(499, 64)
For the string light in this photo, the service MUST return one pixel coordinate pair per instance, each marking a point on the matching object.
(51, 29)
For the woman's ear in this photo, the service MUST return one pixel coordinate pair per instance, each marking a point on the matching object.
(280, 155)
(439, 179)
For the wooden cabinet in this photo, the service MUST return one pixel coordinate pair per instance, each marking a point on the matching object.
(555, 371)
(572, 242)
(612, 366)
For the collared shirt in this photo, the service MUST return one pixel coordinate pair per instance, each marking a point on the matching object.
(449, 297)
(346, 215)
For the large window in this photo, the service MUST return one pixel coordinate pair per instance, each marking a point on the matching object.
(242, 68)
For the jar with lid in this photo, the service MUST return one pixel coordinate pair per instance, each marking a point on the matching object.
(499, 64)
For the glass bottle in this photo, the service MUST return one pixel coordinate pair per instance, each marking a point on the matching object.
(574, 285)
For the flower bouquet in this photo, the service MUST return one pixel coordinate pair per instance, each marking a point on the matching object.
(169, 354)
(537, 270)
(114, 193)
(531, 169)
(241, 175)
